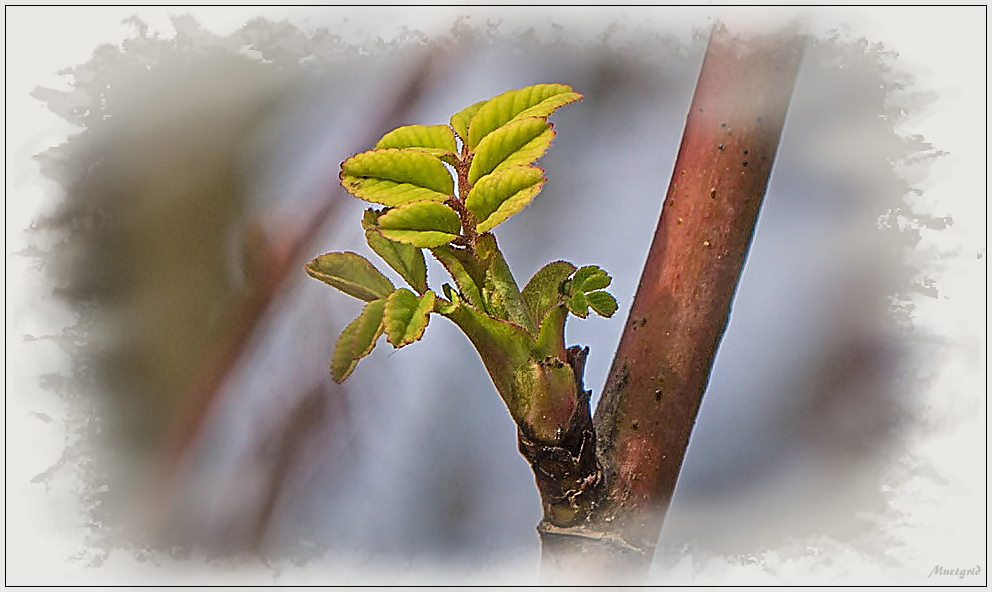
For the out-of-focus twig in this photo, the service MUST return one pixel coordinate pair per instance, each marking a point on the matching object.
(272, 283)
(301, 426)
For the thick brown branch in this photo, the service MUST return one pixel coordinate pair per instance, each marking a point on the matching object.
(682, 305)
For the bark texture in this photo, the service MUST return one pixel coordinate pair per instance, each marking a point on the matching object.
(679, 314)
(566, 470)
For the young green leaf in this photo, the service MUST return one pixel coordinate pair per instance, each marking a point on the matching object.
(542, 292)
(603, 303)
(454, 262)
(534, 101)
(519, 142)
(551, 334)
(503, 299)
(442, 306)
(342, 364)
(581, 275)
(460, 120)
(434, 139)
(597, 281)
(352, 274)
(502, 194)
(585, 290)
(421, 224)
(589, 278)
(550, 105)
(357, 340)
(530, 152)
(394, 177)
(577, 305)
(406, 316)
(406, 259)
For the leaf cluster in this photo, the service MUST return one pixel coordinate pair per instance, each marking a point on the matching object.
(443, 189)
(410, 169)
